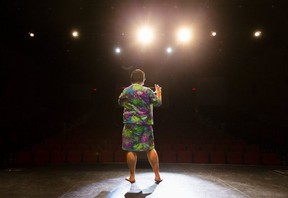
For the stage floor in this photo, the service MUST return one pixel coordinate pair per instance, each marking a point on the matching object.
(179, 180)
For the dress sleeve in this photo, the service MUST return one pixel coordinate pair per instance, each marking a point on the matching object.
(153, 98)
(122, 98)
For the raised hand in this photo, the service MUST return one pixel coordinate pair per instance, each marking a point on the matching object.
(158, 90)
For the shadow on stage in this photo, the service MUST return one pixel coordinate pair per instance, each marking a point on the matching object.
(136, 195)
(134, 191)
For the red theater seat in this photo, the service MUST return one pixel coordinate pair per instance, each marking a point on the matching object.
(69, 146)
(217, 157)
(58, 157)
(184, 156)
(40, 147)
(193, 147)
(111, 147)
(90, 157)
(252, 148)
(120, 156)
(24, 158)
(271, 159)
(179, 147)
(96, 147)
(83, 147)
(234, 158)
(168, 156)
(164, 147)
(237, 148)
(74, 156)
(106, 157)
(252, 158)
(201, 157)
(41, 157)
(208, 147)
(54, 146)
(221, 147)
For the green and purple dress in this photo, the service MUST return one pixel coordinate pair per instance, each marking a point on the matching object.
(138, 102)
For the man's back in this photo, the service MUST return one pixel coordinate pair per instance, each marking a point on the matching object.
(138, 102)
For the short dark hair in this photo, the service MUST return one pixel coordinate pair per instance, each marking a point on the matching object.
(137, 76)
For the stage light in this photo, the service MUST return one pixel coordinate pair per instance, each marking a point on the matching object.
(145, 35)
(169, 50)
(257, 33)
(213, 33)
(31, 34)
(184, 35)
(75, 34)
(117, 50)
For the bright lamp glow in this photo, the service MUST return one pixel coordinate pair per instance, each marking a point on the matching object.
(169, 50)
(184, 35)
(257, 33)
(31, 34)
(213, 33)
(75, 34)
(117, 50)
(145, 35)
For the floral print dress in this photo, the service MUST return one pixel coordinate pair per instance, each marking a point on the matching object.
(138, 102)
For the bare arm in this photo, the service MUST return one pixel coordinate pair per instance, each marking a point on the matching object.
(158, 92)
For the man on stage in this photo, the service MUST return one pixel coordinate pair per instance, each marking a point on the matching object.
(137, 135)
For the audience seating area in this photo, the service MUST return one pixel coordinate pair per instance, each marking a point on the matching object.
(88, 147)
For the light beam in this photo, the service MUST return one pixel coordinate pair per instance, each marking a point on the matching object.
(184, 35)
(75, 34)
(145, 35)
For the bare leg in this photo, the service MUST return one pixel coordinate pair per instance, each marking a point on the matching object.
(154, 162)
(131, 161)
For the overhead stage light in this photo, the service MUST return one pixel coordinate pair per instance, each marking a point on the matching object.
(31, 34)
(213, 33)
(117, 50)
(169, 50)
(184, 35)
(145, 35)
(257, 33)
(75, 34)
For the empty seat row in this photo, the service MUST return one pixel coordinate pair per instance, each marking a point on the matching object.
(93, 157)
(220, 157)
(81, 140)
(73, 157)
(160, 147)
(80, 147)
(209, 147)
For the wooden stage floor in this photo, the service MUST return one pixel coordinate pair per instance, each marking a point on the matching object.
(179, 180)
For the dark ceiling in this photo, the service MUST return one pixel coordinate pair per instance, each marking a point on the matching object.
(105, 24)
